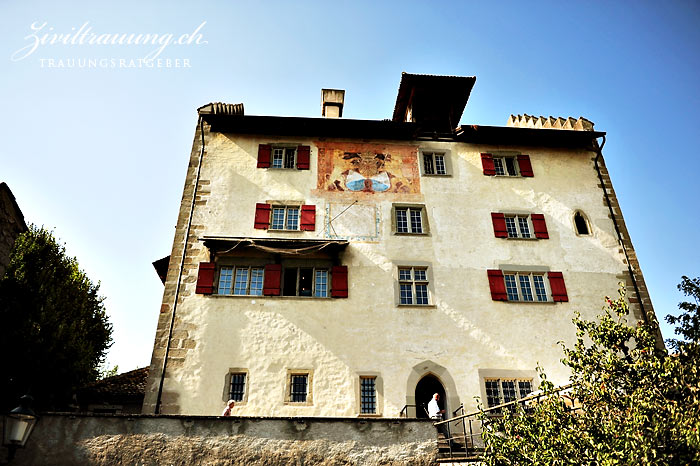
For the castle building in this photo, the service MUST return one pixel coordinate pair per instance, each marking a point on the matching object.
(337, 267)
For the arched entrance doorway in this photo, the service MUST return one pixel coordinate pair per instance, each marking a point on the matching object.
(425, 388)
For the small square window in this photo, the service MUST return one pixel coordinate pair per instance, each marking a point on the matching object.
(283, 157)
(285, 218)
(410, 220)
(518, 226)
(506, 166)
(434, 163)
(299, 386)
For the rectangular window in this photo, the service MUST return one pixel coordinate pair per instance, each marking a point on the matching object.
(540, 289)
(305, 281)
(237, 389)
(285, 218)
(518, 226)
(499, 391)
(225, 277)
(298, 388)
(434, 163)
(519, 287)
(413, 286)
(241, 281)
(506, 166)
(368, 395)
(410, 220)
(321, 284)
(283, 157)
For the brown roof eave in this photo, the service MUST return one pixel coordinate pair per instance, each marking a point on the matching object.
(311, 127)
(392, 130)
(506, 135)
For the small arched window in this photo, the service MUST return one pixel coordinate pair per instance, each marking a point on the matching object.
(581, 224)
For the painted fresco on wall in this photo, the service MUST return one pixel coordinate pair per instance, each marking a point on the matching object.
(368, 168)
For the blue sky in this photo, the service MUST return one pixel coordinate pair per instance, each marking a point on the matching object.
(99, 154)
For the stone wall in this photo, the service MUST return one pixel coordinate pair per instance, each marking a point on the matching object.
(11, 225)
(68, 439)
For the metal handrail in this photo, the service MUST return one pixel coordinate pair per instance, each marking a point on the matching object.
(532, 396)
(468, 439)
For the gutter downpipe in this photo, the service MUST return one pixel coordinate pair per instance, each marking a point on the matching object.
(182, 266)
(599, 151)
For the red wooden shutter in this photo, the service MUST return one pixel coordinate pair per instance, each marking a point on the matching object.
(339, 281)
(540, 226)
(205, 278)
(487, 164)
(499, 225)
(303, 156)
(524, 165)
(272, 283)
(498, 285)
(308, 217)
(556, 283)
(262, 216)
(264, 151)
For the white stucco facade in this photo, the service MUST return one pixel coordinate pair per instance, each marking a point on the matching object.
(462, 336)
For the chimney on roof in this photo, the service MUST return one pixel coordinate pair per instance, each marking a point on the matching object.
(332, 101)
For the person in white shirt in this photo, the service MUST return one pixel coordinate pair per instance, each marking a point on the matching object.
(227, 410)
(434, 411)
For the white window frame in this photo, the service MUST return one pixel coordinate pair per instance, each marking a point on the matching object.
(500, 165)
(517, 218)
(430, 163)
(314, 278)
(281, 153)
(519, 394)
(410, 210)
(413, 282)
(232, 287)
(285, 220)
(521, 278)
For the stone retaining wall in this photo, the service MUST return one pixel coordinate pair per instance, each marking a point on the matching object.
(69, 439)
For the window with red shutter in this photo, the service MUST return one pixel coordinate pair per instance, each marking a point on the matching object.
(205, 278)
(556, 284)
(524, 165)
(497, 285)
(262, 216)
(264, 151)
(303, 157)
(540, 226)
(499, 225)
(272, 283)
(487, 164)
(339, 281)
(308, 217)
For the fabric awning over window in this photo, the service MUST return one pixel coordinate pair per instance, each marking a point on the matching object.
(284, 246)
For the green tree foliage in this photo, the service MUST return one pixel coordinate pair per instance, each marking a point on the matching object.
(688, 322)
(640, 406)
(54, 330)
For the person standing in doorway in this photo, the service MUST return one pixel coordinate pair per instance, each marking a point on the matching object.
(436, 414)
(434, 411)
